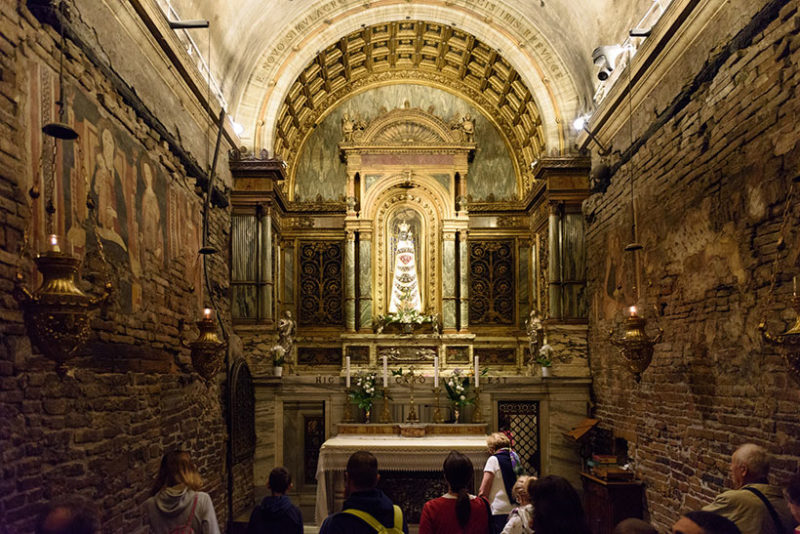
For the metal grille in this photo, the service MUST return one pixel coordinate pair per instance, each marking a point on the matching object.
(314, 430)
(491, 282)
(521, 419)
(321, 289)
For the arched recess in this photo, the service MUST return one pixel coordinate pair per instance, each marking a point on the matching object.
(429, 199)
(520, 45)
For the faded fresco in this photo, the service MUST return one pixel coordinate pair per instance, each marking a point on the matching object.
(322, 176)
(147, 223)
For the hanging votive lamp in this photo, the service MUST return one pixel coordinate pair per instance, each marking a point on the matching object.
(789, 341)
(58, 314)
(636, 347)
(207, 348)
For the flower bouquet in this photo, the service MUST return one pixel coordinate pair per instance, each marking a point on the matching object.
(363, 392)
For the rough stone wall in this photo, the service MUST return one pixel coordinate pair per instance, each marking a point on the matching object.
(713, 171)
(100, 430)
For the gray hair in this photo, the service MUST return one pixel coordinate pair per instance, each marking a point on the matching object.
(755, 458)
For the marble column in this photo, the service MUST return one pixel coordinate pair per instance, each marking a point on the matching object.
(266, 266)
(523, 282)
(463, 279)
(350, 281)
(287, 249)
(554, 245)
(365, 281)
(450, 278)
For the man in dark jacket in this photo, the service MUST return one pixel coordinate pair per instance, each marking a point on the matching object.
(276, 514)
(361, 479)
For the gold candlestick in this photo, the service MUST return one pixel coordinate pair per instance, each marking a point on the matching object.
(476, 413)
(437, 412)
(410, 378)
(386, 414)
(348, 407)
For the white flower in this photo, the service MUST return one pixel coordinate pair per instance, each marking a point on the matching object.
(463, 397)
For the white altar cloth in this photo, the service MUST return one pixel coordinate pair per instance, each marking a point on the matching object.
(394, 453)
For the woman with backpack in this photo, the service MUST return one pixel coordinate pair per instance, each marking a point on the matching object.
(177, 505)
(499, 475)
(456, 512)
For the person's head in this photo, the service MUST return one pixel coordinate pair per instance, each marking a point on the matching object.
(458, 472)
(749, 464)
(71, 515)
(497, 441)
(634, 525)
(362, 471)
(279, 481)
(520, 490)
(704, 523)
(177, 469)
(556, 507)
(792, 493)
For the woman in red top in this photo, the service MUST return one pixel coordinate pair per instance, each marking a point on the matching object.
(456, 512)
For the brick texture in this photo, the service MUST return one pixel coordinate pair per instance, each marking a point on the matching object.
(711, 187)
(100, 430)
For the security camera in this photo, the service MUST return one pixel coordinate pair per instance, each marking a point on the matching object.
(605, 57)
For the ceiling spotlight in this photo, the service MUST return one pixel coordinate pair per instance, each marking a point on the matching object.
(606, 57)
(580, 122)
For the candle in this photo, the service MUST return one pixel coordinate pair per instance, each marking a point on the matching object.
(385, 372)
(477, 374)
(347, 376)
(207, 313)
(436, 371)
(794, 286)
(633, 311)
(54, 243)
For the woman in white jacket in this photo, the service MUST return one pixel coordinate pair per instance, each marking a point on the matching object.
(519, 520)
(177, 501)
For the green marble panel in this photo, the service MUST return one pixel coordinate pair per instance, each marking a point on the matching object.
(443, 179)
(288, 275)
(366, 313)
(321, 175)
(449, 274)
(370, 180)
(449, 313)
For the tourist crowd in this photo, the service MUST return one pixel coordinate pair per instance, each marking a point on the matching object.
(508, 502)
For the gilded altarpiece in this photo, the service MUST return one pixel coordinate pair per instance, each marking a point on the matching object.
(414, 167)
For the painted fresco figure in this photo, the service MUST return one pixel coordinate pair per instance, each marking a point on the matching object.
(151, 217)
(105, 181)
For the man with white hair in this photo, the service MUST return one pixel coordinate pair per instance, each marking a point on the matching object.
(754, 505)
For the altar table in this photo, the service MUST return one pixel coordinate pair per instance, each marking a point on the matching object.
(394, 453)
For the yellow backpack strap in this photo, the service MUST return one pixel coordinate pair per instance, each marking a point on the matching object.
(368, 519)
(398, 519)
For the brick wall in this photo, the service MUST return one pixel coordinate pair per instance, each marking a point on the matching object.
(713, 168)
(100, 430)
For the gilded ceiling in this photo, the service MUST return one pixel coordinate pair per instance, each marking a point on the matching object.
(531, 58)
(412, 51)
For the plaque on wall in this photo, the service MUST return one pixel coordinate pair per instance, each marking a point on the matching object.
(319, 356)
(458, 354)
(411, 354)
(496, 356)
(357, 353)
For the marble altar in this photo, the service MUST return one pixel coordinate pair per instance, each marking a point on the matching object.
(394, 453)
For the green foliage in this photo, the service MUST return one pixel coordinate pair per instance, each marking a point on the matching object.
(459, 387)
(363, 390)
